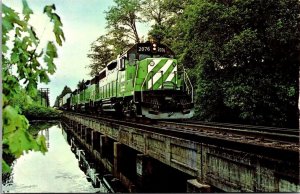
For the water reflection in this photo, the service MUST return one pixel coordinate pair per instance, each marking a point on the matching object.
(55, 171)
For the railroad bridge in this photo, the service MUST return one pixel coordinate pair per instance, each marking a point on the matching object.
(194, 159)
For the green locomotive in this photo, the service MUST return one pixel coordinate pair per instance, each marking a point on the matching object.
(143, 81)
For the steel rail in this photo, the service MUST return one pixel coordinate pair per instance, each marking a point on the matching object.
(287, 131)
(253, 132)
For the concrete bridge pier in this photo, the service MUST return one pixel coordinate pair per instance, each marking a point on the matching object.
(144, 170)
(103, 146)
(83, 132)
(124, 165)
(96, 141)
(85, 137)
(88, 136)
(78, 129)
(69, 123)
(117, 158)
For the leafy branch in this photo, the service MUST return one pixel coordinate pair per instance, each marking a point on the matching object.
(21, 62)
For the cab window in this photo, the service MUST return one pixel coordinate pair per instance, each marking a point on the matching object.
(112, 65)
(144, 56)
(132, 56)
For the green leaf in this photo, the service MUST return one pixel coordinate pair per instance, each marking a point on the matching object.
(51, 68)
(11, 17)
(48, 9)
(7, 25)
(44, 77)
(5, 167)
(18, 31)
(12, 121)
(51, 53)
(4, 101)
(51, 50)
(33, 36)
(20, 141)
(26, 10)
(59, 35)
(31, 88)
(14, 58)
(41, 142)
(4, 48)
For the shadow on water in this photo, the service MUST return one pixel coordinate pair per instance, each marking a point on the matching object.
(94, 170)
(39, 125)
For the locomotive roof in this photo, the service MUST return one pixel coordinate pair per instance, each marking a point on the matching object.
(112, 61)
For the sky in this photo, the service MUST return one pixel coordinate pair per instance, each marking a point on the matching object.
(83, 22)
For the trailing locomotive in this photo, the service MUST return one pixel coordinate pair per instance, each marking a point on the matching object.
(64, 102)
(144, 81)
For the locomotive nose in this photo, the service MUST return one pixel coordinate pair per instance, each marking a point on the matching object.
(160, 71)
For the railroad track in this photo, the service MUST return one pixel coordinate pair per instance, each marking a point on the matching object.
(260, 132)
(286, 131)
(207, 133)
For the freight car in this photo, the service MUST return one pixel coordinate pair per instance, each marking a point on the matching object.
(144, 81)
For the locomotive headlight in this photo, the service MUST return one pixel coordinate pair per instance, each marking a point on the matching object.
(152, 63)
(154, 47)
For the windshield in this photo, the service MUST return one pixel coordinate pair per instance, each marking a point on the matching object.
(144, 56)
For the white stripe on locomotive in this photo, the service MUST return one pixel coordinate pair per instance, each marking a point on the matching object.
(157, 75)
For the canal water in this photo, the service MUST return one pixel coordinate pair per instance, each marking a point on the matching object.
(58, 170)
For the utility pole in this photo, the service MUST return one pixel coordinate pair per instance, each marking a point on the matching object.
(45, 93)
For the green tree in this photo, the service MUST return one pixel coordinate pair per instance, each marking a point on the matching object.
(21, 62)
(66, 90)
(117, 42)
(155, 11)
(246, 58)
(164, 14)
(100, 54)
(81, 84)
(123, 18)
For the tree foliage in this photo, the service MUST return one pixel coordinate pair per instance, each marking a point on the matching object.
(36, 111)
(123, 17)
(164, 14)
(156, 11)
(66, 90)
(81, 85)
(246, 57)
(21, 63)
(100, 54)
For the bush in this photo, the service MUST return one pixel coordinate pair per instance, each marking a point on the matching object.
(35, 111)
